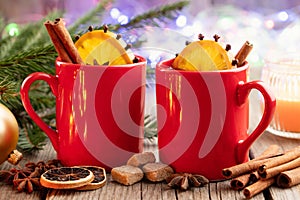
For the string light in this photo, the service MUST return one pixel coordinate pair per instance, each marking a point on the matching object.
(123, 19)
(115, 13)
(283, 16)
(181, 21)
(12, 29)
(269, 24)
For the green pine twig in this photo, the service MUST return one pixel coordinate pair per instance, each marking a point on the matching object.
(38, 54)
(150, 17)
(97, 12)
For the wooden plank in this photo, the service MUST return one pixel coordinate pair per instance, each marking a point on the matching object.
(221, 191)
(146, 190)
(6, 190)
(287, 193)
(111, 190)
(157, 191)
(286, 144)
(194, 193)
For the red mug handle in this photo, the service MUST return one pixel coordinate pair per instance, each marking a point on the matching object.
(243, 91)
(24, 91)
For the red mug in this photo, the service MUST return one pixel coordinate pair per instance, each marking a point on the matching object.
(99, 112)
(203, 118)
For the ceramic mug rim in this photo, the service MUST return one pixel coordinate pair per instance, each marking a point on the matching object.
(165, 64)
(142, 61)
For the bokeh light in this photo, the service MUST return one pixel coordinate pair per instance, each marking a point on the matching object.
(114, 13)
(12, 29)
(123, 19)
(283, 16)
(181, 21)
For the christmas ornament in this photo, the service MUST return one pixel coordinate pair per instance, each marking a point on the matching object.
(9, 133)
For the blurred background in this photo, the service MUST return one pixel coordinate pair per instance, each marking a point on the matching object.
(271, 25)
(21, 11)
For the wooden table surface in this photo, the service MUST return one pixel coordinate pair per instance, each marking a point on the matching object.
(145, 190)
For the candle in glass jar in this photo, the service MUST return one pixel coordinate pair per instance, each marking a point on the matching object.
(283, 77)
(286, 117)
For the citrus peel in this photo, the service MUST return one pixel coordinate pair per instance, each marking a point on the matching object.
(66, 177)
(103, 47)
(203, 55)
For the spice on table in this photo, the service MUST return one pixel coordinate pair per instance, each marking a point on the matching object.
(242, 180)
(243, 168)
(288, 178)
(271, 172)
(184, 181)
(62, 41)
(287, 157)
(257, 187)
(28, 183)
(66, 177)
(243, 53)
(27, 178)
(99, 178)
(282, 169)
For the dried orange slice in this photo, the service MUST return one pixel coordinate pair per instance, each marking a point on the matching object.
(103, 47)
(66, 177)
(203, 55)
(99, 178)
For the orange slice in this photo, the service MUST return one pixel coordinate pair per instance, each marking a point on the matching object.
(66, 177)
(103, 48)
(203, 55)
(99, 178)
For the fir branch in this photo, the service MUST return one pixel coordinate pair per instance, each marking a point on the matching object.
(87, 18)
(32, 34)
(7, 89)
(25, 54)
(151, 17)
(2, 25)
(150, 124)
(30, 138)
(19, 65)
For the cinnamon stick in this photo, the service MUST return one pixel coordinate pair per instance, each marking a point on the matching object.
(243, 53)
(243, 180)
(271, 172)
(63, 34)
(251, 165)
(62, 41)
(59, 47)
(288, 178)
(243, 168)
(257, 187)
(287, 157)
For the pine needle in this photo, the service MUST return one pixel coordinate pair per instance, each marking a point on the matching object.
(93, 16)
(154, 17)
(32, 51)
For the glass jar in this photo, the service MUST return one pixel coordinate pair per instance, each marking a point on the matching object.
(283, 77)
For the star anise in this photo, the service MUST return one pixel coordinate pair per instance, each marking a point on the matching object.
(30, 182)
(48, 165)
(185, 181)
(27, 178)
(13, 174)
